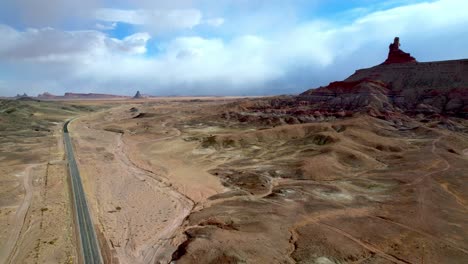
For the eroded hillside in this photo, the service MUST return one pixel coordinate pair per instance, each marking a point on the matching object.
(348, 189)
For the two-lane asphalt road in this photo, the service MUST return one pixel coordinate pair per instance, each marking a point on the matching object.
(89, 245)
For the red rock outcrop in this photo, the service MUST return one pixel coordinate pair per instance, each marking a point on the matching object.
(396, 55)
(401, 84)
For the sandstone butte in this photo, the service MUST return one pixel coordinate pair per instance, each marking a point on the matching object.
(401, 84)
(396, 55)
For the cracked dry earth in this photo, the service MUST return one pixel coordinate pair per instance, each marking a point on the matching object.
(176, 182)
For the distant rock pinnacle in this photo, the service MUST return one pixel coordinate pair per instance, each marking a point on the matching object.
(137, 95)
(396, 55)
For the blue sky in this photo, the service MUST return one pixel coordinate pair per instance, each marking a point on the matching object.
(224, 47)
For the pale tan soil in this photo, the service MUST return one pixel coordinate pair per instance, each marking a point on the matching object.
(20, 214)
(139, 197)
(136, 211)
(35, 211)
(38, 220)
(188, 176)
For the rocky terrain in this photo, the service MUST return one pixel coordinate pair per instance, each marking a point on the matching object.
(400, 86)
(355, 189)
(367, 170)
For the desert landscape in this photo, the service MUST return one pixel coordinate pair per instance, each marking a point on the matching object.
(340, 174)
(183, 181)
(229, 132)
(35, 217)
(353, 190)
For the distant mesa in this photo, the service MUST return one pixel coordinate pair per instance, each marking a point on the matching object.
(19, 95)
(50, 96)
(46, 95)
(92, 96)
(25, 97)
(396, 55)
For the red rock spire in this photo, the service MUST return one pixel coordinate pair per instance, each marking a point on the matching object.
(396, 55)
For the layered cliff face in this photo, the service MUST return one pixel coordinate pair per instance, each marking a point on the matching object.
(399, 84)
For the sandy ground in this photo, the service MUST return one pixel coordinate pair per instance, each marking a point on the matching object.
(37, 225)
(168, 155)
(36, 220)
(173, 181)
(19, 216)
(359, 190)
(136, 209)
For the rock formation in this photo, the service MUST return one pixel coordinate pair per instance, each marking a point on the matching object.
(399, 84)
(19, 95)
(396, 55)
(66, 96)
(91, 96)
(137, 95)
(46, 95)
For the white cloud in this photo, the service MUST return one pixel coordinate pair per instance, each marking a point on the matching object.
(51, 45)
(190, 60)
(133, 44)
(215, 22)
(37, 13)
(106, 26)
(158, 20)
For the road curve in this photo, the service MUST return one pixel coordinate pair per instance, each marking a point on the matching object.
(90, 251)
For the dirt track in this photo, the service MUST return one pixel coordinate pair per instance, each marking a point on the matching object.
(10, 247)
